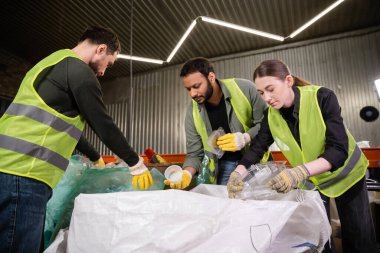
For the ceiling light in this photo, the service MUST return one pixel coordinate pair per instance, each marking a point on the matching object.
(182, 40)
(293, 34)
(377, 86)
(137, 58)
(242, 28)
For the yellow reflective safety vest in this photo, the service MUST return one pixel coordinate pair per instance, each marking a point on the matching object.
(36, 141)
(312, 130)
(243, 111)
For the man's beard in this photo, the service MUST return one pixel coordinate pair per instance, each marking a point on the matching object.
(209, 91)
(207, 95)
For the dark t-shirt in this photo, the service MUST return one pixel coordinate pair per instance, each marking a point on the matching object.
(218, 118)
(71, 88)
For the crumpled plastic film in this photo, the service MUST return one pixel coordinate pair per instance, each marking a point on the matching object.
(81, 177)
(212, 139)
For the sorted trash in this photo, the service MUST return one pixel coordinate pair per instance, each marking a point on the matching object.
(203, 220)
(81, 177)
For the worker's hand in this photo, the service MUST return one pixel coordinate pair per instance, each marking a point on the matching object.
(289, 178)
(235, 184)
(99, 163)
(185, 181)
(233, 142)
(141, 177)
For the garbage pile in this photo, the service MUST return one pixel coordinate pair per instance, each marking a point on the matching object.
(82, 177)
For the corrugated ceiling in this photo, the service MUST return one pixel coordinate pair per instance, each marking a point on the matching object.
(33, 29)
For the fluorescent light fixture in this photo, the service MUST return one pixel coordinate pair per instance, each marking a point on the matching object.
(377, 86)
(293, 34)
(191, 27)
(137, 58)
(242, 28)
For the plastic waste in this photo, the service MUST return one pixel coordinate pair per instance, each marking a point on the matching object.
(212, 139)
(255, 181)
(81, 177)
(173, 173)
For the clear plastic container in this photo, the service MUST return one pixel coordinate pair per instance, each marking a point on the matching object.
(173, 173)
(255, 181)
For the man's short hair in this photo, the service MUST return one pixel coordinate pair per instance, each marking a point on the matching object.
(102, 35)
(198, 64)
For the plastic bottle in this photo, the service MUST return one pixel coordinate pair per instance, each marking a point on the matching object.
(255, 181)
(260, 174)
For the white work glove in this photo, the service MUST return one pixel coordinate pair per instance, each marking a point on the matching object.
(141, 175)
(233, 142)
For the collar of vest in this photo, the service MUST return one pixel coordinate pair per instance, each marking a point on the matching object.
(296, 108)
(224, 89)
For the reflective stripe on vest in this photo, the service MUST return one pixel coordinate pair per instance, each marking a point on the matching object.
(45, 118)
(37, 141)
(312, 137)
(31, 149)
(243, 111)
(347, 169)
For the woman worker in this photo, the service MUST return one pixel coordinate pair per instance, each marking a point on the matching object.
(305, 122)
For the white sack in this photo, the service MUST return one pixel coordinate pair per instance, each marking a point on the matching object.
(181, 221)
(59, 243)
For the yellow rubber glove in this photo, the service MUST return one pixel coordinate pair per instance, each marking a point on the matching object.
(141, 177)
(143, 181)
(235, 184)
(99, 163)
(185, 181)
(233, 142)
(289, 178)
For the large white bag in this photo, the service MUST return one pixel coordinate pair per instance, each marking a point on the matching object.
(181, 221)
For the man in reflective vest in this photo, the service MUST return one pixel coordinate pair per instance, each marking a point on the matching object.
(43, 125)
(232, 104)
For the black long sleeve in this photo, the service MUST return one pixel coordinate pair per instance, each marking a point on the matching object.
(72, 88)
(87, 149)
(259, 144)
(336, 144)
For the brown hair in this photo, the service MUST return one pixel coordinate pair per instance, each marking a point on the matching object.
(102, 35)
(277, 69)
